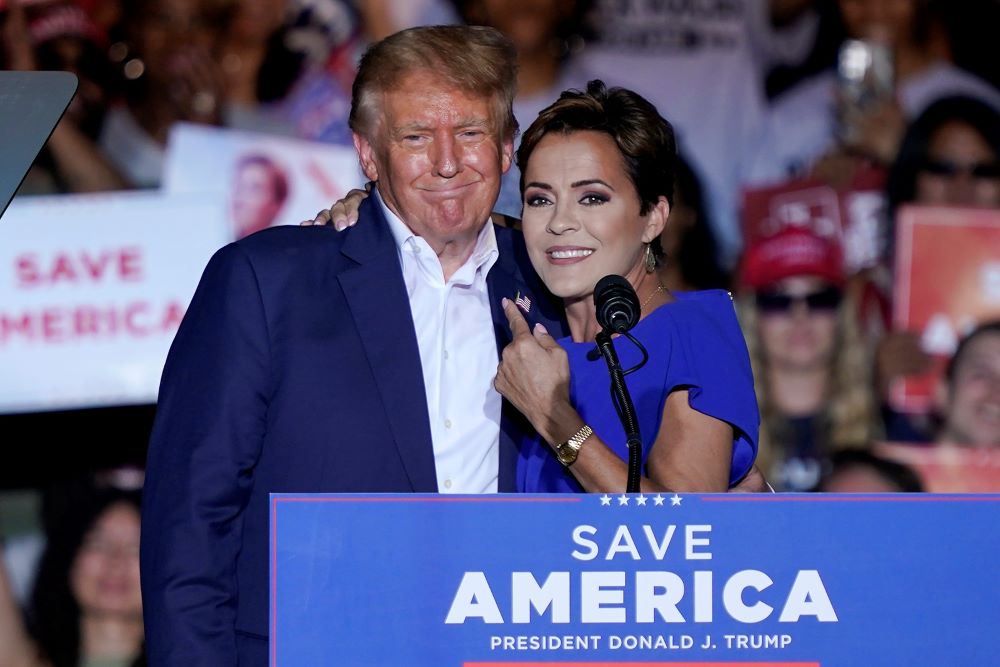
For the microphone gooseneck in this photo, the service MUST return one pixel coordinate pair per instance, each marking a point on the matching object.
(618, 310)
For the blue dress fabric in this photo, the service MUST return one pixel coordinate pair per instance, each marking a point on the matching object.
(694, 343)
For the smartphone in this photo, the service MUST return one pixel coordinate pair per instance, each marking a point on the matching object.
(865, 80)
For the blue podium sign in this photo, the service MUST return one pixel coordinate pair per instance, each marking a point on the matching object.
(710, 580)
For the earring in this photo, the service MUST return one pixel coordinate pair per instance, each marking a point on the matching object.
(650, 259)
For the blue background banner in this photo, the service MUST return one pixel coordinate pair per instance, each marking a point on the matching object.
(763, 579)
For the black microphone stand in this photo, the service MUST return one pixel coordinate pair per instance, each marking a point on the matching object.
(625, 408)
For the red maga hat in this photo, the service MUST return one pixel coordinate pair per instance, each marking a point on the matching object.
(794, 251)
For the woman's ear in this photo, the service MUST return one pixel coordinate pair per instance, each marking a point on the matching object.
(656, 220)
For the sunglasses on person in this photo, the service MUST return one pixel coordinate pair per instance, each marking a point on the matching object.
(825, 300)
(950, 169)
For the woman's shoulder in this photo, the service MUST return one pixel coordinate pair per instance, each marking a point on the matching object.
(698, 308)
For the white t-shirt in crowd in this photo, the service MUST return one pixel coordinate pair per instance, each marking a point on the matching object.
(703, 65)
(801, 125)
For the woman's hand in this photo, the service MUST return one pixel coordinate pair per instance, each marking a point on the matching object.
(534, 376)
(344, 212)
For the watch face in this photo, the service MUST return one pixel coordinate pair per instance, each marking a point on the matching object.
(566, 454)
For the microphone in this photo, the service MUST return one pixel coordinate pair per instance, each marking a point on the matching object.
(617, 304)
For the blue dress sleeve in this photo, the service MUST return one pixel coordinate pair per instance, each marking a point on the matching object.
(711, 360)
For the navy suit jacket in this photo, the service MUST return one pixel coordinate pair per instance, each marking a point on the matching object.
(296, 370)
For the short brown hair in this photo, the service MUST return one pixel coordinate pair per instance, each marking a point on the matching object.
(643, 137)
(473, 59)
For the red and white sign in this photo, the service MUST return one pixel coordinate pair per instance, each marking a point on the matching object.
(262, 180)
(947, 468)
(947, 280)
(92, 289)
(853, 216)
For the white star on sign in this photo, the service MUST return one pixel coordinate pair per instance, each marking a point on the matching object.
(622, 500)
(606, 500)
(675, 500)
(641, 500)
(658, 500)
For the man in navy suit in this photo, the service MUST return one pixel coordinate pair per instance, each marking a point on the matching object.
(360, 361)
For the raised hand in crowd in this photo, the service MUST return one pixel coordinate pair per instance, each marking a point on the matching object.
(78, 165)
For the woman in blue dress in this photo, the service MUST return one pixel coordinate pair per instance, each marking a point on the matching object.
(597, 182)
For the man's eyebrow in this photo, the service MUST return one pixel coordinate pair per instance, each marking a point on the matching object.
(462, 123)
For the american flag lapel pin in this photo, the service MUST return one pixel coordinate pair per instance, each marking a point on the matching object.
(523, 302)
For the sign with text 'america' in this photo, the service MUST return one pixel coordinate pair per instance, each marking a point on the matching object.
(792, 580)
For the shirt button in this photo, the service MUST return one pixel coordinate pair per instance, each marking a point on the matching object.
(447, 423)
(447, 483)
(416, 249)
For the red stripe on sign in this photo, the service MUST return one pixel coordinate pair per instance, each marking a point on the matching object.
(640, 664)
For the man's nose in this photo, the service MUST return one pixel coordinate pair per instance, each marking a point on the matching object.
(446, 160)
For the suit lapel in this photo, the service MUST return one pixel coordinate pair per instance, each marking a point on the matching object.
(506, 279)
(376, 295)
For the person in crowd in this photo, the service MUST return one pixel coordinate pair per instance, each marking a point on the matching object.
(86, 606)
(260, 189)
(814, 128)
(171, 74)
(950, 156)
(597, 181)
(703, 65)
(258, 67)
(812, 369)
(969, 397)
(690, 255)
(60, 36)
(546, 34)
(860, 471)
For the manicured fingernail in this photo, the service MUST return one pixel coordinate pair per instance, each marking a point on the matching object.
(541, 327)
(504, 302)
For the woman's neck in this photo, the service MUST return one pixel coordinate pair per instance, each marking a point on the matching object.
(797, 392)
(110, 635)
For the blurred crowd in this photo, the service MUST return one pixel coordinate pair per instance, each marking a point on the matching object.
(898, 98)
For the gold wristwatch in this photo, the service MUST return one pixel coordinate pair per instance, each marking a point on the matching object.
(567, 451)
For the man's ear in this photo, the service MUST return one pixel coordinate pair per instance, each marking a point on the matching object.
(366, 156)
(656, 220)
(506, 156)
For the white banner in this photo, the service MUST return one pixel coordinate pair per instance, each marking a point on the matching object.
(263, 180)
(92, 289)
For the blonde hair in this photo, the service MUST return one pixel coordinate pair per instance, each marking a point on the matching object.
(849, 420)
(474, 59)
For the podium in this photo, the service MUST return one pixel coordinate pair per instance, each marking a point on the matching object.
(31, 103)
(682, 579)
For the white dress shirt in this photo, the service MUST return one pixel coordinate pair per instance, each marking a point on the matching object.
(458, 355)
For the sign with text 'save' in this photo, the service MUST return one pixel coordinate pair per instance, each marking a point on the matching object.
(654, 580)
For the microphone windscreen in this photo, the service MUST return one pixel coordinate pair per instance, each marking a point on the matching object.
(617, 304)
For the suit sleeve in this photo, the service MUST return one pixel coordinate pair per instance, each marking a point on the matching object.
(206, 439)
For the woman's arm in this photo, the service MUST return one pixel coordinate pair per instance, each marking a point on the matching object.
(692, 451)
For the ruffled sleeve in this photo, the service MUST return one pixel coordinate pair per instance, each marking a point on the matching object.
(710, 359)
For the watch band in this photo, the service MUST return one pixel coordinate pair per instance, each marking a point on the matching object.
(567, 451)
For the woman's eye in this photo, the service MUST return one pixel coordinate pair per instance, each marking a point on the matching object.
(592, 199)
(536, 200)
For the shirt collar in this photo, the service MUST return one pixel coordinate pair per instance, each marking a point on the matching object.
(484, 254)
